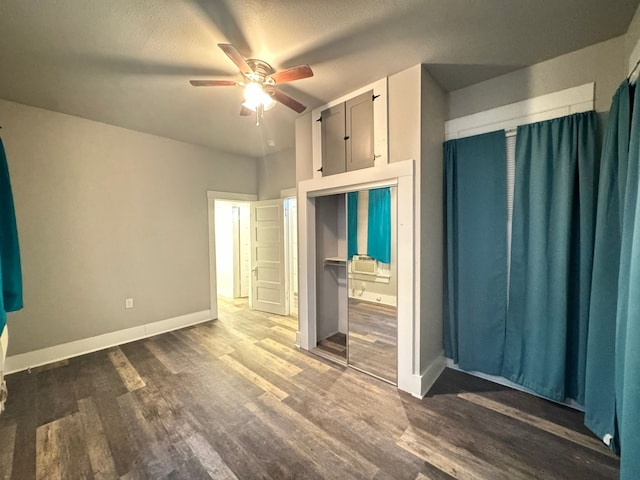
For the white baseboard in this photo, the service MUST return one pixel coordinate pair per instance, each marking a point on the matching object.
(36, 358)
(431, 374)
(419, 384)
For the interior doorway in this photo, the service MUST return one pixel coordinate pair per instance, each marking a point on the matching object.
(233, 251)
(253, 252)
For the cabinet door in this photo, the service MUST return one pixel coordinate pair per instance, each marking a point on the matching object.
(359, 131)
(333, 153)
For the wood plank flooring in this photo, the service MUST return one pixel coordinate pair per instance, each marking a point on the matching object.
(233, 399)
(335, 346)
(373, 338)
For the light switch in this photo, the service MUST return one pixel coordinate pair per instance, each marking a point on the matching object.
(128, 302)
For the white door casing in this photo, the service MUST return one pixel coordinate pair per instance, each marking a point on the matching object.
(268, 292)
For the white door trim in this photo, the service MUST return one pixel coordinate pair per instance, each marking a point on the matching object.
(212, 196)
(400, 174)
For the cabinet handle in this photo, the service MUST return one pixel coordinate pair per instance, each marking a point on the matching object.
(347, 138)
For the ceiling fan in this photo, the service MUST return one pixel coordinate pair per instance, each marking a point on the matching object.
(260, 82)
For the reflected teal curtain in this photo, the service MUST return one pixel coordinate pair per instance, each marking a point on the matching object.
(600, 379)
(10, 272)
(379, 225)
(475, 294)
(552, 256)
(352, 224)
(627, 357)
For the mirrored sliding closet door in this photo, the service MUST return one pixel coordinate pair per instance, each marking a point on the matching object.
(372, 282)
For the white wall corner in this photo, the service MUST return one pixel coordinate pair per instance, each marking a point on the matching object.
(288, 192)
(634, 58)
(429, 375)
(44, 356)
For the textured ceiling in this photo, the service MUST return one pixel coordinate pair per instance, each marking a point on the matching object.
(128, 62)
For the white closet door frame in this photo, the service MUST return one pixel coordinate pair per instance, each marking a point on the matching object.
(400, 174)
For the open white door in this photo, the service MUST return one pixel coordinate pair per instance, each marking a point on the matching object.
(268, 292)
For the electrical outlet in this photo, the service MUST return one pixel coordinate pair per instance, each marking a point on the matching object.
(128, 302)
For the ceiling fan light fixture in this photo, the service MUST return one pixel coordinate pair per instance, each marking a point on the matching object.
(255, 96)
(260, 83)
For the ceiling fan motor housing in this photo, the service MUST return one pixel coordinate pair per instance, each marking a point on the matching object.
(261, 70)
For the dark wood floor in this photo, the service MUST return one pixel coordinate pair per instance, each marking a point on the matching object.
(232, 399)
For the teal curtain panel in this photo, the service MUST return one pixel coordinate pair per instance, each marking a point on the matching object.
(599, 401)
(627, 363)
(475, 194)
(11, 273)
(552, 255)
(352, 224)
(379, 225)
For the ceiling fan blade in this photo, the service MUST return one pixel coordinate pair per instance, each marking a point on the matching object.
(245, 112)
(287, 101)
(235, 57)
(291, 74)
(213, 83)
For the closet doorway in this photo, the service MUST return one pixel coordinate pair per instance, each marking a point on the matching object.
(356, 280)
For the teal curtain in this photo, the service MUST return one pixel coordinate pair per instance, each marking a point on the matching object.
(11, 274)
(379, 225)
(475, 294)
(552, 256)
(352, 224)
(599, 402)
(627, 347)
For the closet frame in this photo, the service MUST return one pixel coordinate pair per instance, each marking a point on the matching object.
(401, 175)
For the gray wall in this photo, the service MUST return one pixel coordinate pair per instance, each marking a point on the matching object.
(304, 148)
(276, 172)
(433, 113)
(632, 37)
(404, 115)
(417, 111)
(106, 213)
(603, 63)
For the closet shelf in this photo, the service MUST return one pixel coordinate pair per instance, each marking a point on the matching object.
(335, 262)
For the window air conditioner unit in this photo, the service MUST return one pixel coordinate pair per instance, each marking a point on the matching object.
(364, 264)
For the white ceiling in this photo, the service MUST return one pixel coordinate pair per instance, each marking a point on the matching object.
(128, 62)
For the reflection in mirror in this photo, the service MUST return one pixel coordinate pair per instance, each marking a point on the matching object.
(372, 282)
